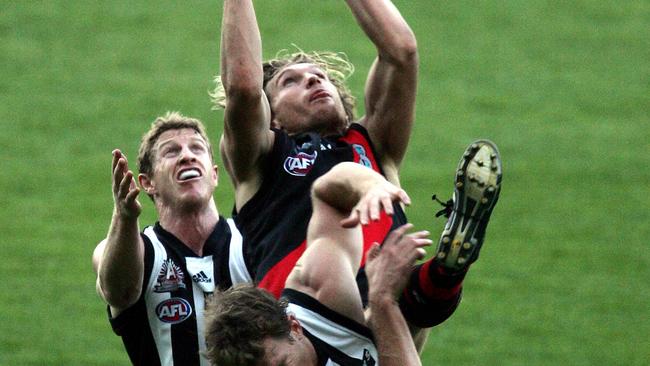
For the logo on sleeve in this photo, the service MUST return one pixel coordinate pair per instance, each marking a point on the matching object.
(174, 310)
(170, 277)
(363, 157)
(300, 164)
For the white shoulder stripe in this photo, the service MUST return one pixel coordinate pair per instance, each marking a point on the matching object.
(160, 254)
(336, 335)
(160, 331)
(238, 271)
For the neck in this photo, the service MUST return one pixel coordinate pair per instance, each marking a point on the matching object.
(192, 226)
(312, 357)
(324, 129)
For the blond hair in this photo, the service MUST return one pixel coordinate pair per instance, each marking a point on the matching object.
(334, 64)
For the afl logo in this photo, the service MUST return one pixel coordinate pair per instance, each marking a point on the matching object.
(174, 310)
(300, 164)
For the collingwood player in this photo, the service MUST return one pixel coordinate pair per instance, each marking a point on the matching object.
(155, 282)
(321, 319)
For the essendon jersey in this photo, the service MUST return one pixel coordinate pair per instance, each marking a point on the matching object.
(274, 222)
(165, 326)
(337, 339)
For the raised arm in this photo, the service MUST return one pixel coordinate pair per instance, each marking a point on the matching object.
(118, 260)
(388, 270)
(247, 136)
(392, 82)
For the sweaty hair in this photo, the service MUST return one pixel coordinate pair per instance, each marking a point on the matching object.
(170, 121)
(238, 321)
(334, 64)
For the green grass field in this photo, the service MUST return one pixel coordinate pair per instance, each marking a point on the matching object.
(562, 87)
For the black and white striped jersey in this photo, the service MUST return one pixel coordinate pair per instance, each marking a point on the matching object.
(337, 339)
(165, 326)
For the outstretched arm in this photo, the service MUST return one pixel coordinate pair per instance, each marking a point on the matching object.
(247, 136)
(388, 270)
(392, 82)
(119, 259)
(358, 192)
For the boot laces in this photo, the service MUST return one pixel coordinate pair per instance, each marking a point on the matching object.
(447, 207)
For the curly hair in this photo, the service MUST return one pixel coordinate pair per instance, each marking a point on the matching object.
(170, 121)
(334, 64)
(238, 321)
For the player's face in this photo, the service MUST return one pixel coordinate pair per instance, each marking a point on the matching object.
(183, 171)
(303, 99)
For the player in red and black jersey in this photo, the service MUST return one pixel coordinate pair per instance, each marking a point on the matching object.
(274, 221)
(289, 120)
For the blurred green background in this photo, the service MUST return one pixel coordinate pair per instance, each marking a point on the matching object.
(562, 87)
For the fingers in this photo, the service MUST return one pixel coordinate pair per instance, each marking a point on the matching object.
(127, 191)
(117, 154)
(404, 197)
(370, 207)
(396, 234)
(125, 184)
(133, 185)
(385, 201)
(120, 172)
(420, 254)
(118, 176)
(387, 204)
(421, 238)
(132, 195)
(126, 197)
(364, 208)
(373, 209)
(119, 168)
(416, 240)
(373, 252)
(412, 245)
(351, 221)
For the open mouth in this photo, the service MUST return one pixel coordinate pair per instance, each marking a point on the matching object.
(319, 94)
(188, 174)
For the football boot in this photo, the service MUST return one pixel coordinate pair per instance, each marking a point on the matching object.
(476, 191)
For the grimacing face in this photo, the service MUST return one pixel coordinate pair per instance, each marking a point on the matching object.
(303, 99)
(183, 171)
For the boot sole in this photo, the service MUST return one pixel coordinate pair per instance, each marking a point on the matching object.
(477, 187)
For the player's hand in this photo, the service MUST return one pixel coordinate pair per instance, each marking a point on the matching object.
(379, 198)
(388, 267)
(125, 191)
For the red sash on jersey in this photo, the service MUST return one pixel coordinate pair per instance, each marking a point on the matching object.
(275, 278)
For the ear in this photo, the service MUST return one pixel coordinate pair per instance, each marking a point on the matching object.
(147, 184)
(294, 325)
(215, 173)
